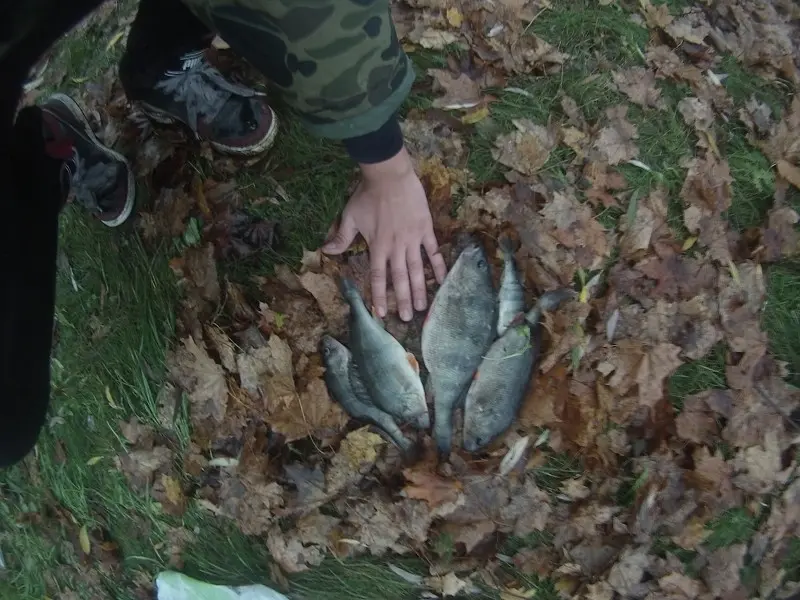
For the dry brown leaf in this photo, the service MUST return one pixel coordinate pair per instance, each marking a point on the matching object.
(253, 503)
(223, 346)
(167, 490)
(201, 378)
(697, 113)
(546, 399)
(656, 15)
(459, 92)
(681, 585)
(430, 487)
(625, 576)
(656, 366)
(140, 466)
(789, 172)
(780, 238)
(639, 84)
(722, 571)
(526, 149)
(304, 545)
(690, 27)
(357, 453)
(616, 142)
(329, 300)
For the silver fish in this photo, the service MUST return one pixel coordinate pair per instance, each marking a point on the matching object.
(500, 384)
(345, 385)
(457, 332)
(511, 297)
(390, 374)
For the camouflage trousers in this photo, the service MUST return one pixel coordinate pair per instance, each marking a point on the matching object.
(338, 62)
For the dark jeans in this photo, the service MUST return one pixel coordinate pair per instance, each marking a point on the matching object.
(32, 196)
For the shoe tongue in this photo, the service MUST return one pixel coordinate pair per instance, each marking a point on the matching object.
(94, 186)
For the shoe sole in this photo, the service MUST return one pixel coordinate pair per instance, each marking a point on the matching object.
(264, 144)
(130, 199)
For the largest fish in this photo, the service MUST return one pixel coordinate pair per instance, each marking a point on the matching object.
(457, 332)
(390, 374)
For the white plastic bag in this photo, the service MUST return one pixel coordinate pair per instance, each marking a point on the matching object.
(171, 585)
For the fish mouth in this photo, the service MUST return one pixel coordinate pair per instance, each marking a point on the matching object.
(466, 242)
(470, 445)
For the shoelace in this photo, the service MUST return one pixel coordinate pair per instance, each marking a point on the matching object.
(90, 185)
(202, 88)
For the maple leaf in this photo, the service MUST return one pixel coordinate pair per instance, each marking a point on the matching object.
(304, 545)
(329, 300)
(656, 16)
(493, 205)
(690, 27)
(639, 84)
(722, 570)
(357, 454)
(430, 487)
(544, 404)
(526, 149)
(252, 502)
(460, 91)
(141, 466)
(696, 423)
(201, 378)
(697, 113)
(168, 491)
(616, 141)
(576, 228)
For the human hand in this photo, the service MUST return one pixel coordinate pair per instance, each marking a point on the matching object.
(390, 210)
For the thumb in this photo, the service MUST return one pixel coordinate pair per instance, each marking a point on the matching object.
(342, 238)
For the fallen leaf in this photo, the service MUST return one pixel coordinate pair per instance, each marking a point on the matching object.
(83, 538)
(616, 142)
(639, 84)
(789, 172)
(460, 92)
(625, 576)
(201, 378)
(328, 297)
(526, 149)
(430, 487)
(697, 113)
(357, 453)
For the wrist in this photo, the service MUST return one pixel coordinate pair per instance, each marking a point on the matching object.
(397, 166)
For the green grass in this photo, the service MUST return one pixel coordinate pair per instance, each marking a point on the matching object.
(128, 294)
(696, 376)
(734, 526)
(782, 315)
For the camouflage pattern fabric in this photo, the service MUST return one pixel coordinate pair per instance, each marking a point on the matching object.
(338, 62)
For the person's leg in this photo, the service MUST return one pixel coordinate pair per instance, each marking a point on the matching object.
(32, 198)
(164, 71)
(337, 62)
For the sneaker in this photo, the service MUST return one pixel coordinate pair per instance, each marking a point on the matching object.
(235, 119)
(94, 175)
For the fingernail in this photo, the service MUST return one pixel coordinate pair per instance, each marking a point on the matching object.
(405, 314)
(381, 311)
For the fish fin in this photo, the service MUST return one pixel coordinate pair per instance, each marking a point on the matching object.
(412, 360)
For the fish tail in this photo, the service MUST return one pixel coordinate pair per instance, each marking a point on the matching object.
(443, 432)
(549, 301)
(506, 245)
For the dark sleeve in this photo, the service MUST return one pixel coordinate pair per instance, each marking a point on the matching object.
(378, 146)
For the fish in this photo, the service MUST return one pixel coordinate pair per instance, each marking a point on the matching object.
(503, 377)
(511, 297)
(457, 331)
(389, 373)
(347, 388)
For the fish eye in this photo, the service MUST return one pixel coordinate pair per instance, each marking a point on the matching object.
(481, 264)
